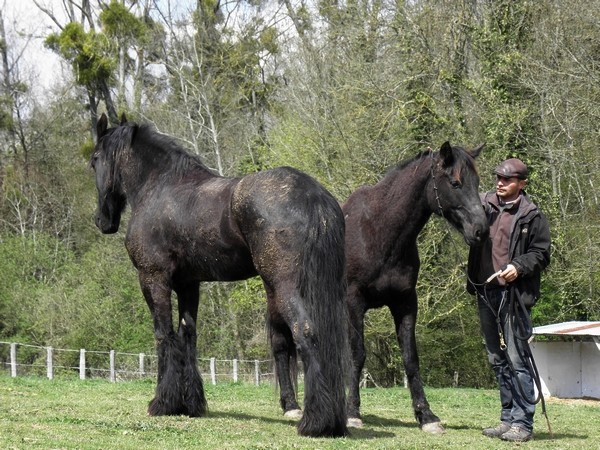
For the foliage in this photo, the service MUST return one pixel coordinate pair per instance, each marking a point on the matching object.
(27, 264)
(88, 52)
(60, 300)
(224, 325)
(119, 23)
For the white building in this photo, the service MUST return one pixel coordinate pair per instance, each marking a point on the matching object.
(569, 360)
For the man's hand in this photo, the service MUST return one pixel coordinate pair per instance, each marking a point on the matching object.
(509, 274)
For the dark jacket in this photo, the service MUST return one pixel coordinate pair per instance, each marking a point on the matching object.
(529, 249)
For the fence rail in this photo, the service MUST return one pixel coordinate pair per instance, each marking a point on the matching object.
(26, 359)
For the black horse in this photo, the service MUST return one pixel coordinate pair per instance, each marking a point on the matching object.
(382, 225)
(189, 225)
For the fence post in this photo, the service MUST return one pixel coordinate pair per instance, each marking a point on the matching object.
(82, 363)
(455, 382)
(213, 374)
(142, 370)
(13, 360)
(49, 366)
(256, 372)
(405, 381)
(112, 366)
(235, 371)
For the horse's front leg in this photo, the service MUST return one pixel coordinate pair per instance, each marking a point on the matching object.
(188, 296)
(169, 398)
(405, 322)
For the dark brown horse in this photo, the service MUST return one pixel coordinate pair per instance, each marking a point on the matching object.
(382, 225)
(189, 225)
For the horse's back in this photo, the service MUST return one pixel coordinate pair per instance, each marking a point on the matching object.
(280, 210)
(283, 197)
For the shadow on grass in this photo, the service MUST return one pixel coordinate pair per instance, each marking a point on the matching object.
(244, 416)
(371, 420)
(366, 434)
(558, 436)
(355, 433)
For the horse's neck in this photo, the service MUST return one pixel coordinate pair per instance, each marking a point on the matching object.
(404, 194)
(142, 174)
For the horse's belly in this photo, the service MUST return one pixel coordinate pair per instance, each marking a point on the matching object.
(383, 288)
(215, 268)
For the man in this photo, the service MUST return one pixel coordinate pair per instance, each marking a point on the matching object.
(504, 273)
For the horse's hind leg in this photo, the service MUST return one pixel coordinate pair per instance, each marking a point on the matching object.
(405, 322)
(193, 388)
(356, 312)
(324, 397)
(318, 419)
(284, 353)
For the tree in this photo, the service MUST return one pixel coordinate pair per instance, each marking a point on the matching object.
(89, 54)
(140, 34)
(220, 91)
(562, 70)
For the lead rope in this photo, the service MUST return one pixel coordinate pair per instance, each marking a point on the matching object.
(526, 329)
(527, 356)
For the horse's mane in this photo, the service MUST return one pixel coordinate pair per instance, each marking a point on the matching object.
(167, 151)
(409, 161)
(463, 157)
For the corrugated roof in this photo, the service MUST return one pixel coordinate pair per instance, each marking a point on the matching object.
(570, 328)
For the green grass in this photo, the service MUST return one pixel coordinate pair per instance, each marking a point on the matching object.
(62, 414)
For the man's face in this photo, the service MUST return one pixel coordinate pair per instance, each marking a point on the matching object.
(508, 189)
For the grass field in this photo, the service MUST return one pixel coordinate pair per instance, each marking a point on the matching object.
(63, 414)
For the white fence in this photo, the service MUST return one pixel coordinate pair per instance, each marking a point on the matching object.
(25, 359)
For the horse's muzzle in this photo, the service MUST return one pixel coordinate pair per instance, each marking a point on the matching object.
(479, 232)
(106, 226)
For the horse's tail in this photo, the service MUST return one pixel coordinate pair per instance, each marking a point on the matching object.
(322, 285)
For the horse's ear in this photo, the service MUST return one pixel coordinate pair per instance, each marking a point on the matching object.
(128, 133)
(134, 131)
(477, 150)
(446, 154)
(102, 125)
(123, 119)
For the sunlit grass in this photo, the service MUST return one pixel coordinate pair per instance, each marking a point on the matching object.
(39, 413)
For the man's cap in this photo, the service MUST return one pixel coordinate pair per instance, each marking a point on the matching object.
(512, 167)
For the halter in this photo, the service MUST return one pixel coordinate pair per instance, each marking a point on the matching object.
(435, 188)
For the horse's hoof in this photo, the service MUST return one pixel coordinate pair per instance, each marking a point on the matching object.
(295, 414)
(354, 422)
(433, 428)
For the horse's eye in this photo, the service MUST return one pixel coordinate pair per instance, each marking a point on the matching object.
(456, 184)
(93, 160)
